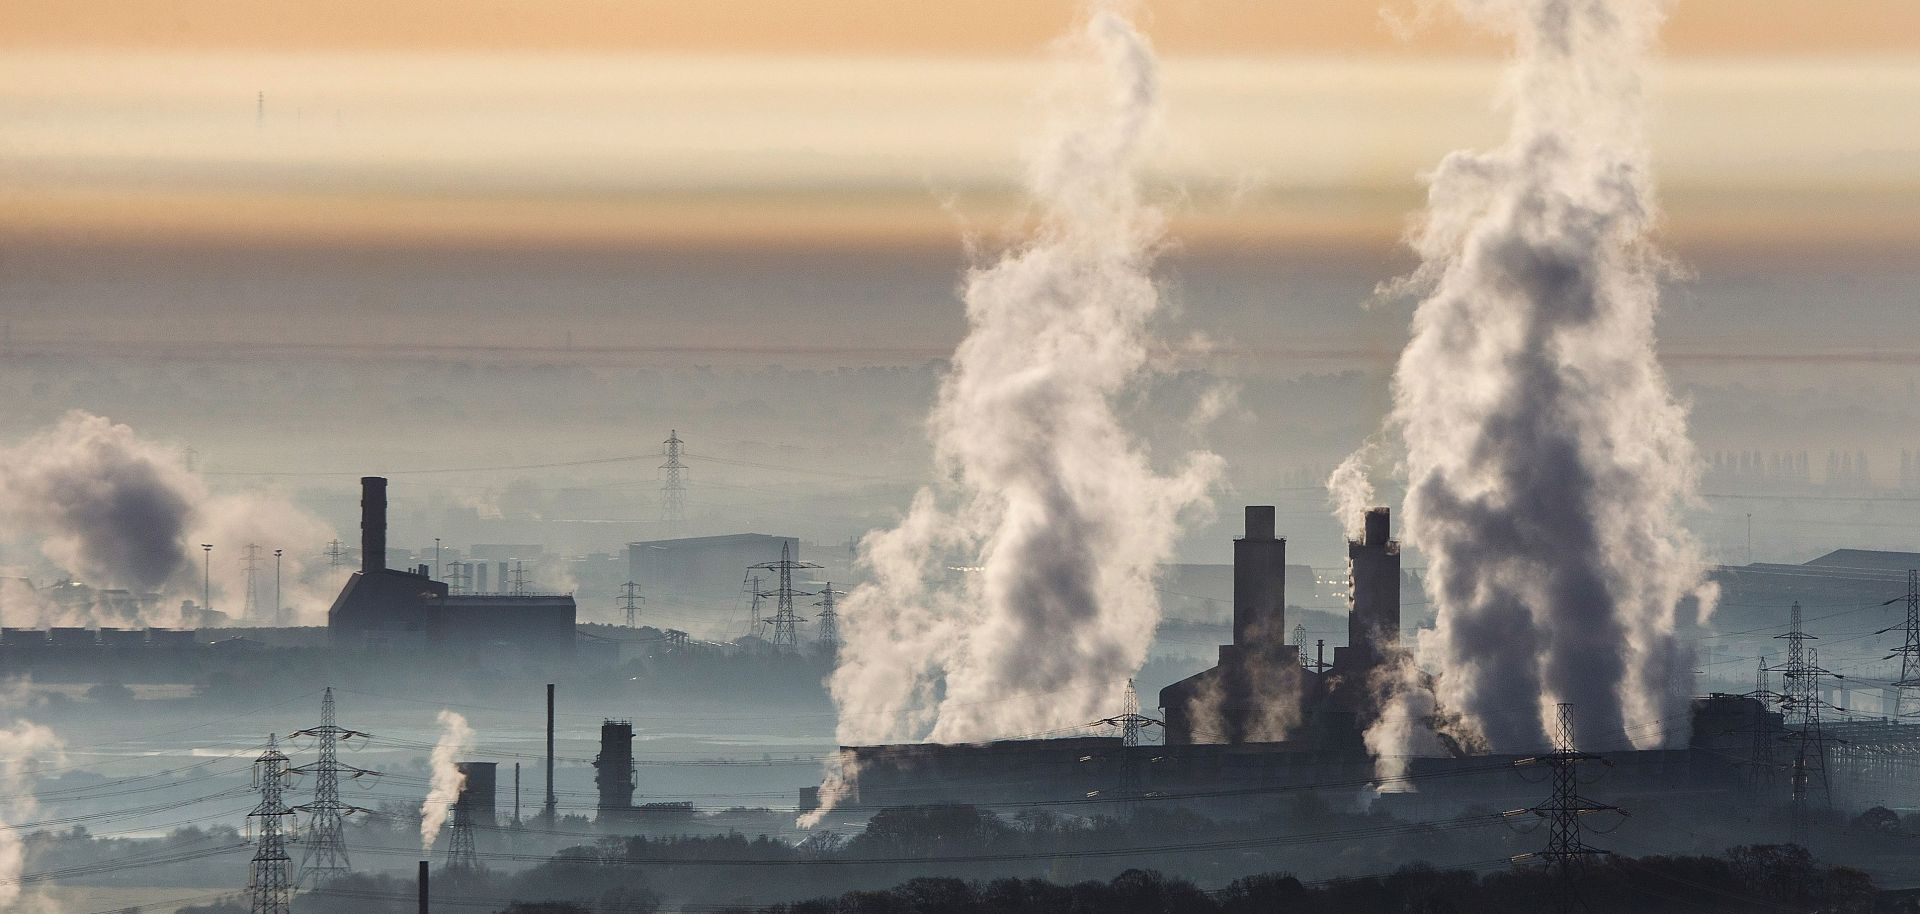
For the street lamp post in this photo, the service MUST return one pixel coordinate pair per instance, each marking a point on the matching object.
(278, 618)
(206, 576)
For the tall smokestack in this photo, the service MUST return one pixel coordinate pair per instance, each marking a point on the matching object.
(1373, 589)
(373, 524)
(552, 803)
(1259, 584)
(423, 882)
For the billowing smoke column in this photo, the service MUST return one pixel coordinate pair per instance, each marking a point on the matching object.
(456, 741)
(117, 510)
(22, 746)
(1546, 457)
(1016, 595)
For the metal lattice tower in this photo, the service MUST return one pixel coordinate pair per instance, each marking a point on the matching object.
(1131, 724)
(1567, 852)
(630, 600)
(1760, 766)
(268, 879)
(786, 625)
(325, 856)
(250, 560)
(1907, 700)
(829, 617)
(336, 554)
(519, 578)
(673, 491)
(1800, 707)
(1130, 721)
(1300, 641)
(753, 603)
(462, 854)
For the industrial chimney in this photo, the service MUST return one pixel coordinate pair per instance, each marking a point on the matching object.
(1373, 570)
(373, 524)
(1259, 584)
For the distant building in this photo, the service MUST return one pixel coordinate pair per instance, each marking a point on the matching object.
(703, 566)
(381, 607)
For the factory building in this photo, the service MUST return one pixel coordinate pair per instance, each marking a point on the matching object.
(383, 608)
(1261, 691)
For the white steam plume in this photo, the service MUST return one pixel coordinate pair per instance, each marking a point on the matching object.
(456, 740)
(23, 746)
(119, 511)
(1048, 502)
(1546, 456)
(1350, 490)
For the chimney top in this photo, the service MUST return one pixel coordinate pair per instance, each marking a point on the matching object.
(1259, 522)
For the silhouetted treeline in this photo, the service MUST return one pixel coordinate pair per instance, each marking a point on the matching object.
(1753, 878)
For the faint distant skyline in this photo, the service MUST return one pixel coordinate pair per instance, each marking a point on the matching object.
(779, 124)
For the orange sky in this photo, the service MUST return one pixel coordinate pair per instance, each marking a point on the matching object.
(894, 27)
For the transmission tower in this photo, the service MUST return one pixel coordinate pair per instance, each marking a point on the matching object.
(267, 879)
(1800, 706)
(250, 560)
(325, 856)
(1760, 765)
(461, 852)
(829, 617)
(336, 554)
(673, 492)
(519, 588)
(786, 625)
(1130, 721)
(1567, 852)
(1131, 724)
(630, 600)
(752, 582)
(1907, 700)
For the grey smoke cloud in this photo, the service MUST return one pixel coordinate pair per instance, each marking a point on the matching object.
(1015, 595)
(117, 510)
(23, 746)
(1546, 456)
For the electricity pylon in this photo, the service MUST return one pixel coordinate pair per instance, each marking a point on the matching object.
(1800, 707)
(829, 617)
(336, 554)
(786, 625)
(268, 878)
(673, 491)
(325, 856)
(1132, 724)
(250, 560)
(1567, 852)
(1907, 699)
(461, 852)
(630, 600)
(1760, 765)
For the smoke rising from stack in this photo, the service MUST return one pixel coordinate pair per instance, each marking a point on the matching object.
(1049, 504)
(120, 511)
(22, 746)
(1546, 456)
(456, 741)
